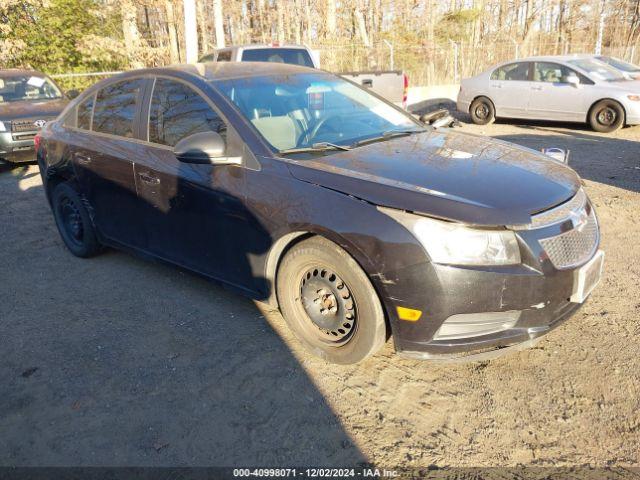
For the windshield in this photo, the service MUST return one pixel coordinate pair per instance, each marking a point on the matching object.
(303, 110)
(620, 64)
(18, 88)
(295, 56)
(598, 70)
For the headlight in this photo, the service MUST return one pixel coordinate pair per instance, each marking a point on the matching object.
(455, 244)
(2, 127)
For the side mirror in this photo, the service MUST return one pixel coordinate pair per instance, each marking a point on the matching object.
(573, 80)
(73, 93)
(204, 148)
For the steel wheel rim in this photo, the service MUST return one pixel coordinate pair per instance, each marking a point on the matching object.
(71, 220)
(330, 312)
(482, 111)
(607, 116)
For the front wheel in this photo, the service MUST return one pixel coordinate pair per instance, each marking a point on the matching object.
(329, 302)
(482, 111)
(606, 116)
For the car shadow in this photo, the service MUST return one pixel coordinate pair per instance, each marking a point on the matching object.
(598, 157)
(116, 361)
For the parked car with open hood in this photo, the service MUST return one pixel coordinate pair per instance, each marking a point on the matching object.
(572, 88)
(28, 99)
(299, 188)
(628, 69)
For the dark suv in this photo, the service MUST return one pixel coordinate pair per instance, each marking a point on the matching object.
(299, 188)
(28, 99)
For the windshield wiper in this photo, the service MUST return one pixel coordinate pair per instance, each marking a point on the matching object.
(388, 135)
(316, 147)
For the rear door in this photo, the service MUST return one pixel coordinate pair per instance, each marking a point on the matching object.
(103, 158)
(510, 89)
(553, 98)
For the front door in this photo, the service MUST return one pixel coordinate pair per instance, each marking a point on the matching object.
(553, 98)
(194, 214)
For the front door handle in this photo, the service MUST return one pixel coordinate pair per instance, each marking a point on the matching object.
(536, 88)
(149, 179)
(83, 159)
(496, 85)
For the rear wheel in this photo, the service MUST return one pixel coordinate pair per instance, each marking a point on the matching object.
(606, 116)
(73, 221)
(329, 303)
(482, 111)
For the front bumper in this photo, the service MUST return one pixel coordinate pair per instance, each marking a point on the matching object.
(535, 292)
(17, 148)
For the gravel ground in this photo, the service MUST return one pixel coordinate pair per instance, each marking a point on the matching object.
(119, 361)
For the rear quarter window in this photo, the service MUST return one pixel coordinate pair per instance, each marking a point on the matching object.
(85, 112)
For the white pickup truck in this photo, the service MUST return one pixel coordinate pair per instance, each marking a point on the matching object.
(392, 85)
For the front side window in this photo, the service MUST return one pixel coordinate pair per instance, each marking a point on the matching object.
(295, 56)
(555, 73)
(115, 108)
(177, 111)
(20, 88)
(513, 71)
(551, 72)
(300, 110)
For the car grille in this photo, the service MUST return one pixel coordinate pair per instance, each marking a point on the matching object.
(576, 246)
(18, 126)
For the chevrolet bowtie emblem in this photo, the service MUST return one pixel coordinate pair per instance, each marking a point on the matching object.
(579, 219)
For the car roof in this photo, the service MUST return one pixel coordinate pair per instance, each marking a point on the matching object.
(211, 71)
(262, 45)
(18, 72)
(554, 58)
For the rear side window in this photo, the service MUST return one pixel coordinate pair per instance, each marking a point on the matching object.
(85, 112)
(295, 56)
(178, 111)
(115, 108)
(513, 71)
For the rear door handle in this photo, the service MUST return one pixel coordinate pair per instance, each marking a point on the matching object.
(83, 159)
(536, 88)
(148, 179)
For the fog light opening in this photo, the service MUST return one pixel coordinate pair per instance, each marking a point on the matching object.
(476, 324)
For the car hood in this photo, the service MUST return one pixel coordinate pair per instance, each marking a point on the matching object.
(36, 110)
(460, 177)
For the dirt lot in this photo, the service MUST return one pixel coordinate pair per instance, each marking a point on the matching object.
(119, 361)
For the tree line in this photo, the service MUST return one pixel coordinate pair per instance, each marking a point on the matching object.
(63, 36)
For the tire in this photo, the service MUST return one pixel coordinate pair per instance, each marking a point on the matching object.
(343, 321)
(482, 111)
(606, 116)
(73, 221)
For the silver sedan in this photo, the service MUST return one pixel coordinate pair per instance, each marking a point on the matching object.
(566, 88)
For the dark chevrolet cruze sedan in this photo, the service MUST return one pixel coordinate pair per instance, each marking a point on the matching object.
(301, 189)
(28, 99)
